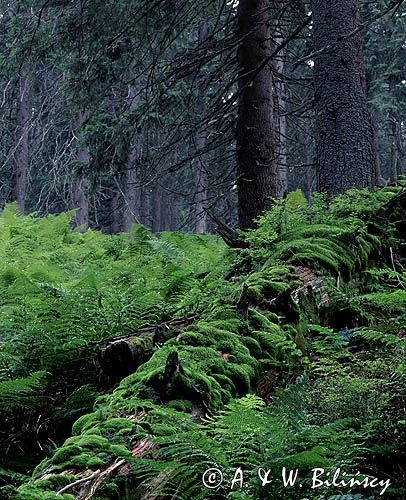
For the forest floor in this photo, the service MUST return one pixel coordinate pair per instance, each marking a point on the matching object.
(130, 365)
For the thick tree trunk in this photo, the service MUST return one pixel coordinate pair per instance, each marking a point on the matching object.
(256, 158)
(345, 149)
(81, 185)
(21, 155)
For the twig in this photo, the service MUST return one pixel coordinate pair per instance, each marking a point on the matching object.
(394, 268)
(79, 481)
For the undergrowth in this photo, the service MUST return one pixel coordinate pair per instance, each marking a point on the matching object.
(294, 358)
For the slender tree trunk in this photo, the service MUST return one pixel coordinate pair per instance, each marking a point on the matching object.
(21, 155)
(374, 124)
(132, 212)
(158, 222)
(200, 217)
(115, 226)
(398, 159)
(282, 158)
(81, 185)
(132, 198)
(345, 149)
(256, 158)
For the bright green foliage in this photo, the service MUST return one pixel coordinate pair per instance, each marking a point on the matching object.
(247, 434)
(62, 293)
(311, 307)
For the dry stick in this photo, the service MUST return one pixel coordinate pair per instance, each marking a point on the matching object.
(79, 481)
(394, 268)
(101, 477)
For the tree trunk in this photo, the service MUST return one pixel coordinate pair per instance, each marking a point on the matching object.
(200, 216)
(21, 155)
(256, 158)
(81, 185)
(345, 151)
(280, 90)
(374, 124)
(398, 160)
(115, 225)
(131, 212)
(131, 190)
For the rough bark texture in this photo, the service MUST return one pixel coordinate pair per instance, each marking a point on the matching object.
(21, 155)
(345, 151)
(256, 158)
(82, 184)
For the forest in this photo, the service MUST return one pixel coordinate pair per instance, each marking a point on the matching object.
(202, 240)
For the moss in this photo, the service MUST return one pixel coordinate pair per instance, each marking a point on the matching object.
(31, 492)
(84, 461)
(119, 450)
(180, 405)
(116, 426)
(84, 422)
(65, 453)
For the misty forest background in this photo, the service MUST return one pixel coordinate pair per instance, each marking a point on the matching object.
(202, 254)
(128, 110)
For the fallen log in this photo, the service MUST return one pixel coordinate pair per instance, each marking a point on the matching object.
(124, 354)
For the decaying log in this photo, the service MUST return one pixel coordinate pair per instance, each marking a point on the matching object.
(124, 354)
(122, 357)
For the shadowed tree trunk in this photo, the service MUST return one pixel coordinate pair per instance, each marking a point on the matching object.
(345, 147)
(398, 160)
(132, 190)
(21, 154)
(200, 216)
(82, 184)
(132, 199)
(280, 88)
(256, 158)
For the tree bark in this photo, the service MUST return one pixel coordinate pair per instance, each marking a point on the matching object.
(398, 160)
(21, 155)
(280, 90)
(131, 189)
(256, 158)
(131, 212)
(200, 216)
(345, 150)
(81, 185)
